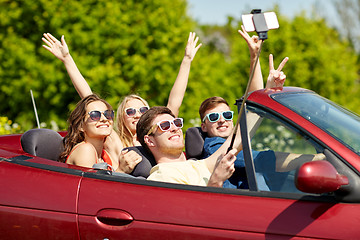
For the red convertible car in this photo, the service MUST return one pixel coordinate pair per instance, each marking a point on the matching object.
(45, 199)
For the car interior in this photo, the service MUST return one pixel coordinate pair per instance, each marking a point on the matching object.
(48, 144)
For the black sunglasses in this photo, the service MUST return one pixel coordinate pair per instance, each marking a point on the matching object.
(130, 112)
(215, 116)
(95, 115)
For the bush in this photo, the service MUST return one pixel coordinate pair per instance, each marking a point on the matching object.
(8, 127)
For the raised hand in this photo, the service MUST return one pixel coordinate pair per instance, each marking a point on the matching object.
(191, 48)
(276, 77)
(59, 49)
(178, 90)
(252, 42)
(254, 45)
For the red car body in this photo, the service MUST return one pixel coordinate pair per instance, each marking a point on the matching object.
(45, 199)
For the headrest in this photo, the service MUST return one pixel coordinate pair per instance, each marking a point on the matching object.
(194, 142)
(42, 142)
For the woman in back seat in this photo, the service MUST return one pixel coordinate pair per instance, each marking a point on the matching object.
(90, 123)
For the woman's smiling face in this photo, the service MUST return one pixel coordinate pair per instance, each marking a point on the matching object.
(100, 128)
(131, 121)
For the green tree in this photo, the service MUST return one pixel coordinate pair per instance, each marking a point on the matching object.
(120, 47)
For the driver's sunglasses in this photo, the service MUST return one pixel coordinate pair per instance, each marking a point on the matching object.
(166, 125)
(95, 115)
(215, 116)
(130, 112)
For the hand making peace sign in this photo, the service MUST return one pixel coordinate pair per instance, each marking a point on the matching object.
(276, 77)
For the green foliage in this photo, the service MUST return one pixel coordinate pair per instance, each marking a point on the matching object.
(319, 59)
(272, 135)
(8, 127)
(120, 47)
(133, 46)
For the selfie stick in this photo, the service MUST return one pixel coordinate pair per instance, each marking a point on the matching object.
(36, 115)
(261, 29)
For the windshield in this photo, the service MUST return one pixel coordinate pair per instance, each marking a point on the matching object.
(330, 117)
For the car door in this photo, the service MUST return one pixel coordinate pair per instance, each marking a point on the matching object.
(37, 201)
(123, 208)
(140, 210)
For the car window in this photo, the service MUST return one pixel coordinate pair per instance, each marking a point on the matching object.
(330, 117)
(272, 138)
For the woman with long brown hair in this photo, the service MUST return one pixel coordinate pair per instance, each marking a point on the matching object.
(90, 123)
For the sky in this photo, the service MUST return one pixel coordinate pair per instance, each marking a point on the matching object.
(216, 11)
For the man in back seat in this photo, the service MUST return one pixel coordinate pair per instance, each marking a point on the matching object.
(217, 123)
(216, 115)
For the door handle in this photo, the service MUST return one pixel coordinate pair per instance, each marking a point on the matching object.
(114, 217)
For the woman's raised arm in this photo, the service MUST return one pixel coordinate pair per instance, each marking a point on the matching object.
(61, 51)
(178, 90)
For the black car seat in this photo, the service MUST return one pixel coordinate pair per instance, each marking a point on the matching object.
(42, 142)
(194, 142)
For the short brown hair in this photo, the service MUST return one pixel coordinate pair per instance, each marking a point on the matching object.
(210, 103)
(145, 122)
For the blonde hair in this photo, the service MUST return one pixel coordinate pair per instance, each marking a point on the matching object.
(124, 132)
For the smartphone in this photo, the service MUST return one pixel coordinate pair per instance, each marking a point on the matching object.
(270, 19)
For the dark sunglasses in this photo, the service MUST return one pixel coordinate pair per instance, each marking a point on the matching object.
(215, 116)
(130, 112)
(95, 115)
(166, 125)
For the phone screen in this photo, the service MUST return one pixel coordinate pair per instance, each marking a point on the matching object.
(270, 19)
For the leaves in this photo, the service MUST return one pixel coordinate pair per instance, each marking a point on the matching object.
(135, 46)
(120, 48)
